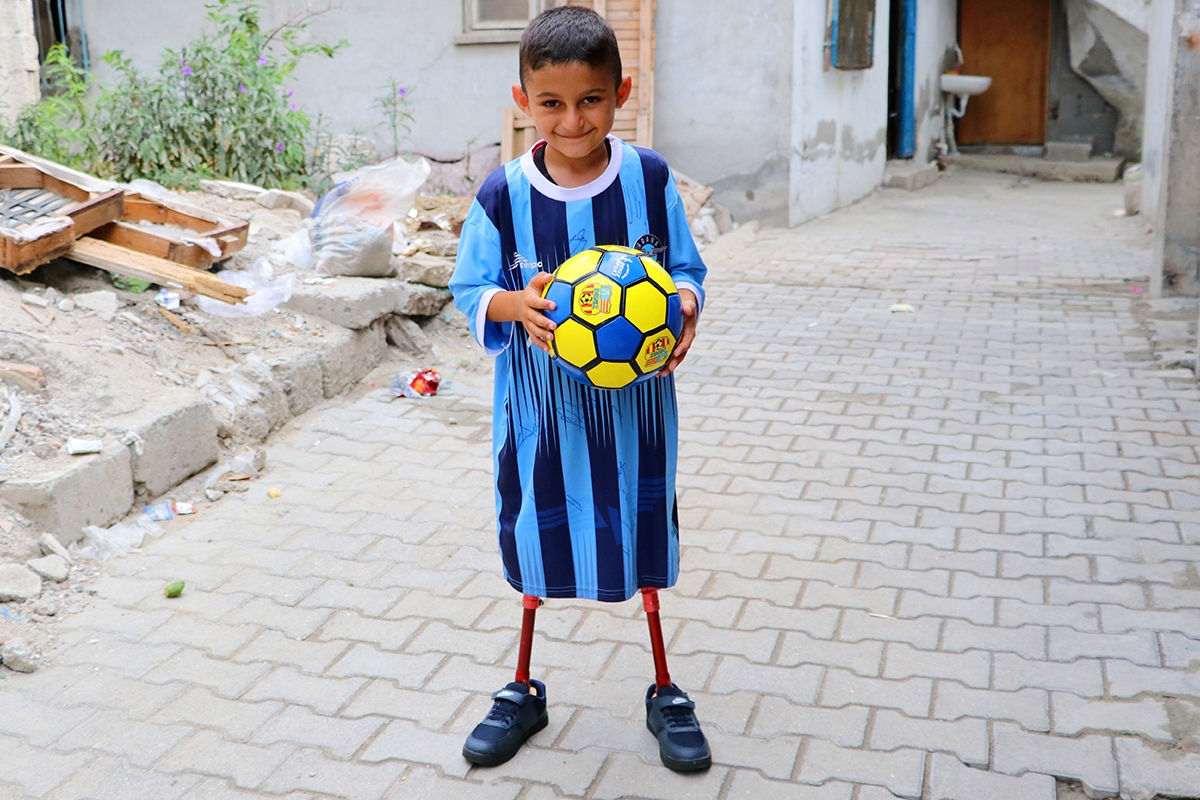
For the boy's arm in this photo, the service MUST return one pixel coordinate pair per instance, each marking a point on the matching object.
(687, 270)
(476, 280)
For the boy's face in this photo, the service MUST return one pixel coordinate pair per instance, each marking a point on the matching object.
(573, 105)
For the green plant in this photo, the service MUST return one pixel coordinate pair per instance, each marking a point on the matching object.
(396, 113)
(218, 107)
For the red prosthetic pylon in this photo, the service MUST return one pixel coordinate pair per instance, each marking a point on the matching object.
(650, 600)
(531, 604)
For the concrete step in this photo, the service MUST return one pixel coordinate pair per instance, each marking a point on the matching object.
(910, 174)
(1094, 170)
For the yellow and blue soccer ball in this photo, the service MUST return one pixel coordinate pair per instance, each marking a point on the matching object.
(618, 315)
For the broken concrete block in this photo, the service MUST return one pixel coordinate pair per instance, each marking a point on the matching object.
(52, 547)
(17, 655)
(300, 378)
(353, 303)
(416, 300)
(910, 174)
(232, 190)
(103, 302)
(52, 568)
(349, 355)
(278, 198)
(402, 332)
(1068, 151)
(87, 490)
(18, 583)
(177, 436)
(426, 269)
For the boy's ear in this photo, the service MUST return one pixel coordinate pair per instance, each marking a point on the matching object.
(521, 99)
(624, 90)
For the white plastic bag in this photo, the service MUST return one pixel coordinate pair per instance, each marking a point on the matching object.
(269, 291)
(352, 223)
(295, 250)
(105, 543)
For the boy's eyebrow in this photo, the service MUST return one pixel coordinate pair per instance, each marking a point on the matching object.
(596, 90)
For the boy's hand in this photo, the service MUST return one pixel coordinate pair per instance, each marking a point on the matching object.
(531, 305)
(689, 332)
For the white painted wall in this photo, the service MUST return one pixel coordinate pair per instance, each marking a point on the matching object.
(937, 33)
(839, 119)
(1159, 69)
(18, 59)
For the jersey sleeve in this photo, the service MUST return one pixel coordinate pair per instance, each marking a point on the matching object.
(683, 258)
(476, 280)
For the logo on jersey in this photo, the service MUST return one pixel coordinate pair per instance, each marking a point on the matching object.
(651, 245)
(522, 263)
(595, 298)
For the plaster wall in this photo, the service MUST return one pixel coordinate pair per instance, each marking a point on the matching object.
(456, 92)
(18, 59)
(1159, 67)
(723, 97)
(839, 119)
(1135, 12)
(937, 33)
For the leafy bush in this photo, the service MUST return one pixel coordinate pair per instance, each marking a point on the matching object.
(217, 108)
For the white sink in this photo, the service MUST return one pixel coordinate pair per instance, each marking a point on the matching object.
(964, 85)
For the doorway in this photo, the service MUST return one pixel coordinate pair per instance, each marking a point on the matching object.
(902, 62)
(1009, 42)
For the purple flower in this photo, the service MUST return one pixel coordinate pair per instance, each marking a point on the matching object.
(186, 70)
(262, 60)
(291, 106)
(289, 93)
(279, 147)
(401, 92)
(241, 87)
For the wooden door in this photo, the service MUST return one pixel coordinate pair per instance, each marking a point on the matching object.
(1008, 41)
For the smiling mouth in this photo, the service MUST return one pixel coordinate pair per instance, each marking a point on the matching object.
(576, 136)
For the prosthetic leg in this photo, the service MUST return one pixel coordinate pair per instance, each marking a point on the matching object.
(530, 604)
(518, 710)
(670, 714)
(661, 676)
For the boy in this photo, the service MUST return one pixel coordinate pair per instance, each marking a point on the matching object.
(585, 479)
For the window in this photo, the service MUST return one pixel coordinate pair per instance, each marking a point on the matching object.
(851, 34)
(492, 21)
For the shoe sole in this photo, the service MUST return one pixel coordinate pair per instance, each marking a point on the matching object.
(680, 765)
(496, 759)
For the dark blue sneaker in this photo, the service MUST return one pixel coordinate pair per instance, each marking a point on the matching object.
(515, 716)
(671, 717)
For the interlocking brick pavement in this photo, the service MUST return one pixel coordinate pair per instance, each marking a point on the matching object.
(947, 554)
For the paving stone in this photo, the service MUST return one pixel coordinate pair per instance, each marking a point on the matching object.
(1147, 772)
(35, 770)
(950, 779)
(1028, 641)
(902, 771)
(140, 743)
(972, 668)
(1130, 680)
(299, 623)
(275, 648)
(911, 696)
(845, 726)
(858, 626)
(1030, 707)
(863, 658)
(817, 622)
(339, 738)
(106, 688)
(1088, 759)
(878, 601)
(749, 785)
(105, 650)
(206, 753)
(1011, 672)
(966, 738)
(39, 724)
(311, 770)
(192, 666)
(629, 776)
(1069, 645)
(364, 660)
(106, 776)
(236, 720)
(325, 695)
(1146, 717)
(980, 610)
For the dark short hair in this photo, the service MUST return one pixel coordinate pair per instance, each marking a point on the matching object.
(568, 34)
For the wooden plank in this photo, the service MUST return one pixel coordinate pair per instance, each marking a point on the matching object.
(123, 261)
(64, 189)
(93, 213)
(20, 176)
(28, 256)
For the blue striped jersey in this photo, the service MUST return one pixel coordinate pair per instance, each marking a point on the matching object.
(585, 478)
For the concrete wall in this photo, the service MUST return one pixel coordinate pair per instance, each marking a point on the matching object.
(937, 33)
(1076, 110)
(723, 99)
(18, 59)
(839, 118)
(456, 91)
(1160, 25)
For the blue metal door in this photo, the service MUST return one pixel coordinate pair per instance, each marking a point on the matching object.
(908, 70)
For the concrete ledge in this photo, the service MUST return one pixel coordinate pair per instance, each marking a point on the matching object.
(356, 303)
(416, 300)
(348, 356)
(178, 438)
(1097, 170)
(910, 175)
(90, 490)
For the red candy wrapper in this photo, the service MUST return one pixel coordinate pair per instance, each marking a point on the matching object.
(420, 383)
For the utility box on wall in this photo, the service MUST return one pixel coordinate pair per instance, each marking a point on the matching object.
(850, 26)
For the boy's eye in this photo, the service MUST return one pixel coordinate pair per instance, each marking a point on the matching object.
(550, 104)
(591, 101)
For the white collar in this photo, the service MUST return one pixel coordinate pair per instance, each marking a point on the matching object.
(588, 190)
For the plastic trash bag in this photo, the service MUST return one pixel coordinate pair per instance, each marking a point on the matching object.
(295, 250)
(102, 544)
(352, 224)
(269, 292)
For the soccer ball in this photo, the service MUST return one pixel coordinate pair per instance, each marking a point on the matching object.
(618, 315)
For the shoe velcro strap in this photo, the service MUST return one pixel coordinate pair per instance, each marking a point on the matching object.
(674, 702)
(510, 695)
